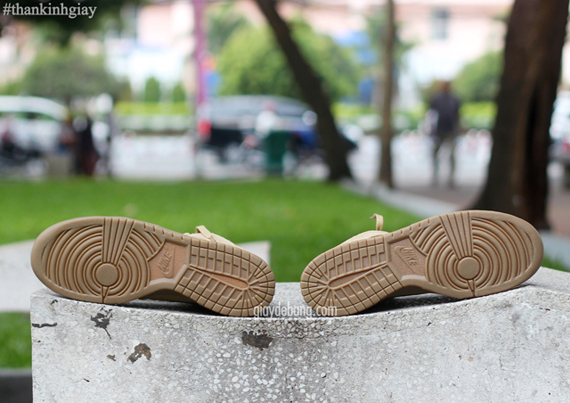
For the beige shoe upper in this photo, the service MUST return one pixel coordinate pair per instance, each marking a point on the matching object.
(370, 234)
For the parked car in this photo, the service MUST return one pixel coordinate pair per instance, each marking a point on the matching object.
(224, 121)
(33, 123)
(229, 121)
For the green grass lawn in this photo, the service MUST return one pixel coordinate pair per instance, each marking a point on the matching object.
(555, 264)
(15, 340)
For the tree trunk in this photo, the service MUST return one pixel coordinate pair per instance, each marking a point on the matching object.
(386, 131)
(313, 92)
(517, 181)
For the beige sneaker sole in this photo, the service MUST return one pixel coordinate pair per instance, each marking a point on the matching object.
(114, 260)
(461, 255)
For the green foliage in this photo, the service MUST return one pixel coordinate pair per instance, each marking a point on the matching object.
(152, 90)
(178, 94)
(376, 30)
(15, 340)
(147, 108)
(478, 115)
(67, 73)
(478, 81)
(223, 21)
(349, 111)
(124, 91)
(252, 63)
(555, 264)
(11, 88)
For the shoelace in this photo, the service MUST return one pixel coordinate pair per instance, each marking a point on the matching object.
(203, 233)
(379, 221)
(201, 230)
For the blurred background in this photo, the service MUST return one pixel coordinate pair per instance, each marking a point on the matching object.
(174, 89)
(193, 112)
(163, 85)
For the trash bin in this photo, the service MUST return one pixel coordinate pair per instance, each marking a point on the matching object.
(275, 147)
(60, 165)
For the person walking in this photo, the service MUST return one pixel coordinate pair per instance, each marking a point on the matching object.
(444, 127)
(86, 154)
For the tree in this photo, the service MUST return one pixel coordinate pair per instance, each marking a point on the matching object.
(152, 90)
(68, 73)
(386, 132)
(124, 91)
(250, 63)
(314, 93)
(223, 21)
(517, 181)
(377, 29)
(478, 81)
(383, 33)
(178, 93)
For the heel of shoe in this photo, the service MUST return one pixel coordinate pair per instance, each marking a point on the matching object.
(226, 279)
(475, 253)
(349, 278)
(95, 259)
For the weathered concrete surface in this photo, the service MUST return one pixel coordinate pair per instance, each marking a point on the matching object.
(509, 347)
(18, 281)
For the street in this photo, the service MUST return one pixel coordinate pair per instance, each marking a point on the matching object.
(175, 158)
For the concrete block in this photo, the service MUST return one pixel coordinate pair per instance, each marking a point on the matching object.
(509, 347)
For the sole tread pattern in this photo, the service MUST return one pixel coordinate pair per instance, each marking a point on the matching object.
(115, 260)
(349, 279)
(461, 255)
(226, 279)
(470, 261)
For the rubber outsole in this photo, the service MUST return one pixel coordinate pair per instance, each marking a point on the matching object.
(460, 255)
(113, 260)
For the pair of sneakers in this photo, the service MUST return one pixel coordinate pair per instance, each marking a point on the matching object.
(113, 260)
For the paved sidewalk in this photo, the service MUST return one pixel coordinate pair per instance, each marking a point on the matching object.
(430, 201)
(465, 196)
